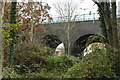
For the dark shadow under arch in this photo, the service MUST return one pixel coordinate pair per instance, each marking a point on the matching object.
(80, 44)
(51, 41)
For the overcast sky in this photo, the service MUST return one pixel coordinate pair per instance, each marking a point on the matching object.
(86, 5)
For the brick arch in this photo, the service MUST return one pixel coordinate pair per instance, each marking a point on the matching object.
(79, 28)
(80, 43)
(52, 41)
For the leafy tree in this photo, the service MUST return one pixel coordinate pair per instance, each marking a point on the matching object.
(108, 11)
(33, 14)
(29, 16)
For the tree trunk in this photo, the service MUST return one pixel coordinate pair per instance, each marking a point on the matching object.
(12, 33)
(102, 22)
(31, 28)
(115, 38)
(32, 23)
(68, 37)
(1, 48)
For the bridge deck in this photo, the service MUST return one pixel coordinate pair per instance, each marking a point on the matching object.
(81, 17)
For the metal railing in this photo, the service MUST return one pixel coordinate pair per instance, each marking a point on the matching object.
(81, 17)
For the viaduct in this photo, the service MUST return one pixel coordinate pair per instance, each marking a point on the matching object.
(78, 31)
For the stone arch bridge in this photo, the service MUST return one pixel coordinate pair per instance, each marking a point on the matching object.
(77, 30)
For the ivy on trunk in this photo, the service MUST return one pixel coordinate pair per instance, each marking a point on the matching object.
(12, 33)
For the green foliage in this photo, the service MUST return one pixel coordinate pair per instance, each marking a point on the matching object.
(12, 33)
(93, 65)
(94, 38)
(32, 61)
(56, 66)
(47, 50)
(6, 32)
(10, 73)
(50, 66)
(60, 63)
(48, 74)
(31, 58)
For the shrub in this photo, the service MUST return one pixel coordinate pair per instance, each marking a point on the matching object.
(57, 65)
(30, 58)
(29, 63)
(93, 65)
(60, 63)
(10, 73)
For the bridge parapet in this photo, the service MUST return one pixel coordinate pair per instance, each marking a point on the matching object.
(81, 17)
